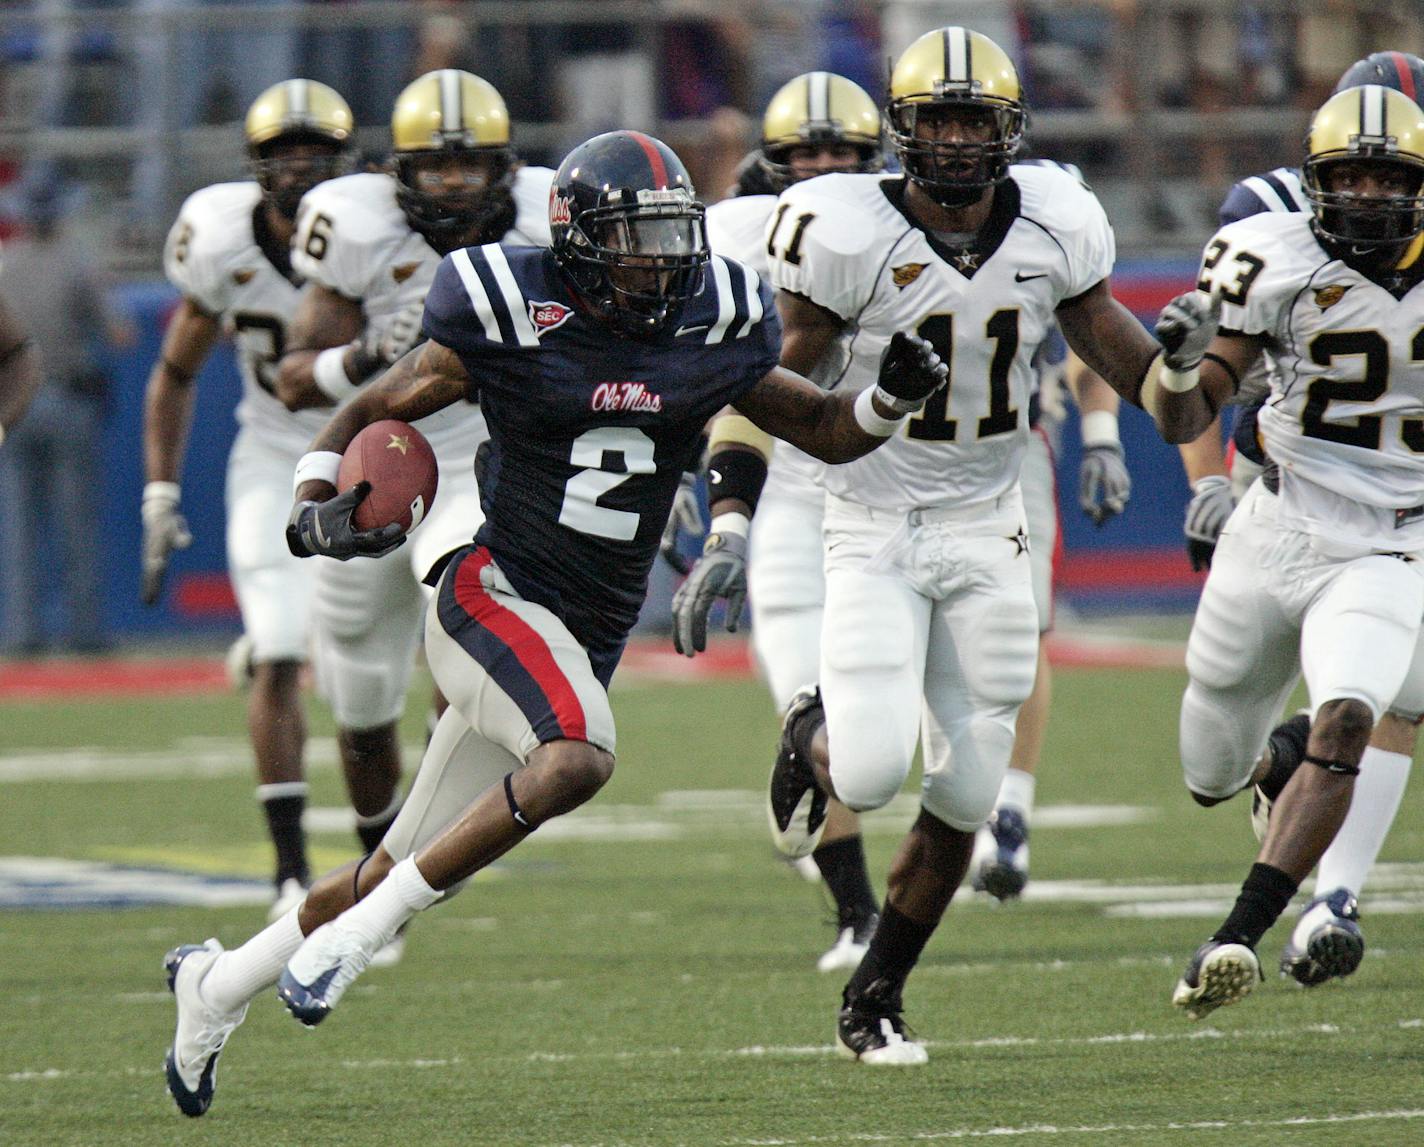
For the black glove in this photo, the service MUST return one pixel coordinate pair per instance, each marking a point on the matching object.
(1211, 504)
(721, 571)
(1186, 327)
(686, 515)
(325, 529)
(1104, 484)
(910, 371)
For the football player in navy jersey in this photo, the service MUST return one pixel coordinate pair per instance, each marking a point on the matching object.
(597, 363)
(1384, 769)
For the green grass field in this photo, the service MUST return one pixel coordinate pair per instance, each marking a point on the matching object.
(644, 974)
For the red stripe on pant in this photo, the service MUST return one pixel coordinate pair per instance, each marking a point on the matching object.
(524, 641)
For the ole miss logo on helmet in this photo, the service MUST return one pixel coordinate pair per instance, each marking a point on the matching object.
(560, 207)
(547, 316)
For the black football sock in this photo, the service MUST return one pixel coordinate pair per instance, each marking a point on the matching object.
(842, 865)
(372, 829)
(284, 804)
(894, 950)
(1264, 896)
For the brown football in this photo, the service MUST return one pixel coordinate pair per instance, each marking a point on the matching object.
(400, 465)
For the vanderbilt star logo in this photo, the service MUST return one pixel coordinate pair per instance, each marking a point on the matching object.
(399, 442)
(966, 261)
(1020, 540)
(403, 272)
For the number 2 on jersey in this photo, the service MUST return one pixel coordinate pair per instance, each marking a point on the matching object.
(933, 423)
(591, 449)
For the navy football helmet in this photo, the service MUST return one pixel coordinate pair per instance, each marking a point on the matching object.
(628, 231)
(1398, 70)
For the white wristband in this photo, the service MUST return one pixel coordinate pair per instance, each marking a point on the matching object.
(733, 522)
(1179, 381)
(1159, 378)
(169, 492)
(871, 420)
(318, 466)
(329, 374)
(1100, 428)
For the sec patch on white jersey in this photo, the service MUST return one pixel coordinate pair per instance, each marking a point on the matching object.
(848, 244)
(1345, 420)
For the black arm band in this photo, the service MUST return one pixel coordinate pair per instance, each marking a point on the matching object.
(1226, 366)
(738, 474)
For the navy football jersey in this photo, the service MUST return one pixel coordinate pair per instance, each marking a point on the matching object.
(589, 432)
(1278, 190)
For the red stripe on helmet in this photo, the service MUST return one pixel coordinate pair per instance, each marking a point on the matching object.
(1406, 77)
(655, 158)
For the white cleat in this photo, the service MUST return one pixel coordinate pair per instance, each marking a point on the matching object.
(291, 893)
(317, 976)
(192, 1061)
(850, 947)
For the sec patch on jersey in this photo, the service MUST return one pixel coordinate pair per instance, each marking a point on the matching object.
(395, 458)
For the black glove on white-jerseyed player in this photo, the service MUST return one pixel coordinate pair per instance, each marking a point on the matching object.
(721, 571)
(910, 371)
(325, 529)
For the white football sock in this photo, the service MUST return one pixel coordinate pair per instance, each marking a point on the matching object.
(238, 976)
(1378, 791)
(1017, 792)
(378, 917)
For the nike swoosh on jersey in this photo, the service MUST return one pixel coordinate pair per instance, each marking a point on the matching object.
(690, 330)
(1020, 277)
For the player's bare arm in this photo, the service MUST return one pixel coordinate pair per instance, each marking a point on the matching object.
(169, 397)
(19, 369)
(325, 320)
(823, 424)
(427, 378)
(168, 412)
(808, 330)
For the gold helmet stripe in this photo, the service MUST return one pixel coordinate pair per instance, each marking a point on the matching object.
(958, 62)
(451, 101)
(818, 97)
(298, 103)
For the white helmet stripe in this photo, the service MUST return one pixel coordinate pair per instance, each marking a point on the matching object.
(956, 56)
(818, 97)
(451, 119)
(298, 101)
(1372, 111)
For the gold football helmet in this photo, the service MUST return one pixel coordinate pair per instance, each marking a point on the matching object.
(298, 134)
(452, 113)
(1369, 126)
(814, 110)
(953, 70)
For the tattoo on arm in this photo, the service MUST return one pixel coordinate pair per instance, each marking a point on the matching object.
(427, 378)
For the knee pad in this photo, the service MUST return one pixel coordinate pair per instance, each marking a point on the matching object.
(960, 788)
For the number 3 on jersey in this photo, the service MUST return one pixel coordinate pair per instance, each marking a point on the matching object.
(592, 449)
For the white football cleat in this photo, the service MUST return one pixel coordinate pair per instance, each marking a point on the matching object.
(850, 947)
(291, 893)
(317, 976)
(192, 1061)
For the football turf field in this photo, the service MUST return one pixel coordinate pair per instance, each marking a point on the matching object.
(643, 973)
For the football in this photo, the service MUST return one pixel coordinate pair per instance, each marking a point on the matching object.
(400, 465)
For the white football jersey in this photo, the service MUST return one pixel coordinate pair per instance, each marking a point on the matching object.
(737, 228)
(845, 243)
(213, 258)
(1345, 419)
(352, 238)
